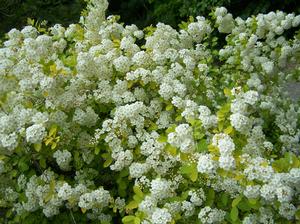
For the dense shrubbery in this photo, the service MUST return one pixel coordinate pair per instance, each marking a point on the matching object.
(14, 13)
(106, 123)
(173, 11)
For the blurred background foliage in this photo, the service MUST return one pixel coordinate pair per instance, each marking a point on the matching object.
(14, 13)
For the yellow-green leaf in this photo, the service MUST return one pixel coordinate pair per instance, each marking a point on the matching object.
(53, 146)
(194, 175)
(137, 190)
(169, 107)
(228, 130)
(234, 214)
(132, 205)
(107, 162)
(53, 131)
(236, 201)
(171, 149)
(227, 92)
(37, 146)
(128, 219)
(48, 141)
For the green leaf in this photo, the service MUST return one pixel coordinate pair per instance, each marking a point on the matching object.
(194, 175)
(169, 107)
(227, 92)
(244, 205)
(202, 145)
(234, 214)
(37, 146)
(236, 201)
(22, 165)
(108, 161)
(224, 198)
(252, 201)
(137, 220)
(137, 190)
(53, 131)
(171, 149)
(132, 205)
(297, 214)
(137, 198)
(42, 163)
(178, 118)
(97, 150)
(186, 169)
(228, 130)
(162, 139)
(128, 219)
(171, 129)
(210, 197)
(54, 145)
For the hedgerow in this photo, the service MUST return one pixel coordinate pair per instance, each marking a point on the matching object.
(106, 123)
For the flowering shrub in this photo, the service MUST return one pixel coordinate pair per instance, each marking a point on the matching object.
(102, 123)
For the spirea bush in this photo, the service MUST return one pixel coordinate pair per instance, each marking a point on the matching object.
(106, 123)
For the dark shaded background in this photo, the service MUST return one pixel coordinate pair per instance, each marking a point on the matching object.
(14, 13)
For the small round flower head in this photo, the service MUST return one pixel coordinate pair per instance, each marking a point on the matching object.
(138, 169)
(287, 210)
(250, 97)
(97, 198)
(207, 215)
(226, 162)
(63, 159)
(206, 164)
(122, 64)
(65, 191)
(160, 188)
(240, 122)
(35, 133)
(161, 216)
(284, 194)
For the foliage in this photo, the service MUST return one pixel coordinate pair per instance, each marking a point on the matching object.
(106, 123)
(146, 12)
(14, 13)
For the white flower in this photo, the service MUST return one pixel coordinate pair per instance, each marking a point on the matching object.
(98, 198)
(287, 210)
(268, 67)
(122, 64)
(35, 133)
(240, 122)
(250, 97)
(252, 191)
(161, 216)
(160, 188)
(86, 118)
(224, 143)
(10, 141)
(206, 164)
(138, 169)
(284, 194)
(63, 159)
(226, 162)
(65, 191)
(182, 138)
(207, 215)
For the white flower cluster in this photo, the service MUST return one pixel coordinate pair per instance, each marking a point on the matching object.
(208, 120)
(209, 215)
(96, 199)
(182, 138)
(226, 147)
(63, 159)
(107, 120)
